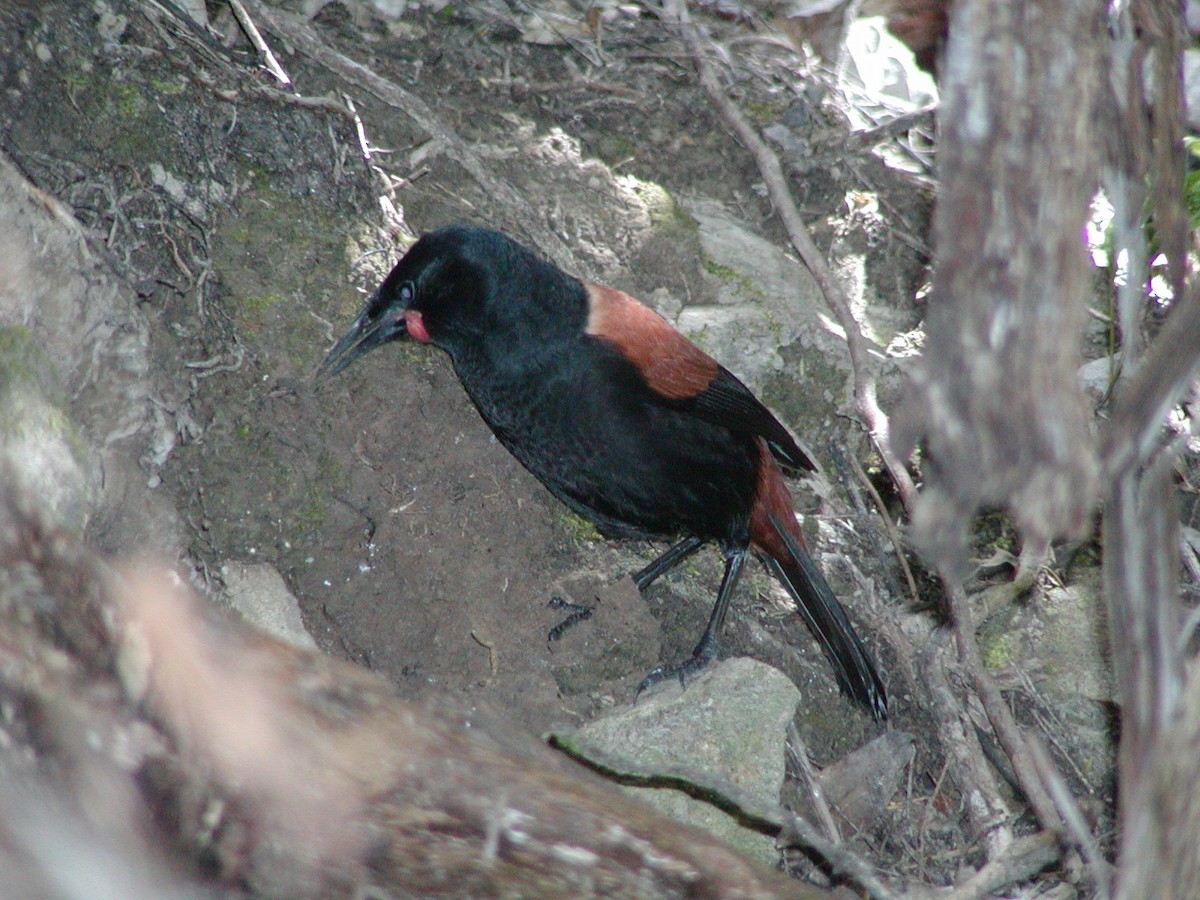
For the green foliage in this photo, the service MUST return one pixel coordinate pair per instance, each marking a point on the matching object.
(1191, 183)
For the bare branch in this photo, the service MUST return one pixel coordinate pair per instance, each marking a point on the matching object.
(260, 45)
(1072, 817)
(1134, 433)
(1021, 860)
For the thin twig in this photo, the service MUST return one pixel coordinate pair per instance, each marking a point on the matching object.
(797, 752)
(314, 102)
(260, 45)
(799, 832)
(1020, 861)
(988, 814)
(360, 130)
(892, 128)
(889, 526)
(769, 166)
(927, 813)
(308, 42)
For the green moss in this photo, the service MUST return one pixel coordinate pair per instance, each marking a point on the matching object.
(261, 303)
(118, 114)
(237, 232)
(252, 312)
(662, 207)
(760, 583)
(996, 649)
(38, 434)
(742, 285)
(314, 510)
(765, 111)
(169, 86)
(76, 82)
(127, 101)
(701, 339)
(993, 530)
(277, 253)
(317, 492)
(614, 148)
(774, 326)
(22, 359)
(576, 529)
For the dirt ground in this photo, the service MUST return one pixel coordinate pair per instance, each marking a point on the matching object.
(252, 228)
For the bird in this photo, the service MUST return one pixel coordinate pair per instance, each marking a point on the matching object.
(623, 419)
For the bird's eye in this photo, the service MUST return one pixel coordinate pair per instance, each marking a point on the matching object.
(406, 292)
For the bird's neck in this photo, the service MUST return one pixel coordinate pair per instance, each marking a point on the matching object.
(532, 320)
(510, 368)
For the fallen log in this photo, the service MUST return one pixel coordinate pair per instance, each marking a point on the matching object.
(142, 720)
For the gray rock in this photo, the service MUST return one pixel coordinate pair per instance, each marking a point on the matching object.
(1096, 376)
(40, 444)
(259, 593)
(727, 725)
(859, 786)
(1057, 647)
(765, 299)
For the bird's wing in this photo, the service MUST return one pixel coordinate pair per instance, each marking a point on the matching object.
(683, 375)
(726, 401)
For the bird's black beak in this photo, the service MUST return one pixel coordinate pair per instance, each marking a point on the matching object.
(377, 324)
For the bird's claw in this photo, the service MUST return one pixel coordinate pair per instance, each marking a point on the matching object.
(575, 613)
(683, 671)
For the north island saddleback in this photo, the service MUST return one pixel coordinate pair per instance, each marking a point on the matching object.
(624, 419)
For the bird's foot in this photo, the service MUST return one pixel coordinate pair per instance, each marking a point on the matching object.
(685, 670)
(575, 613)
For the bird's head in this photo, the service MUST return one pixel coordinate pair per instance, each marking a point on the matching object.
(469, 291)
(436, 294)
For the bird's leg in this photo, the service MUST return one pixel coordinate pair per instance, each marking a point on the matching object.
(643, 578)
(706, 650)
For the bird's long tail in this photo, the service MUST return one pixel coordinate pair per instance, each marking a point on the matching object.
(777, 538)
(851, 661)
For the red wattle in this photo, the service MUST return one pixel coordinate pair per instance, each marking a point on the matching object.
(415, 326)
